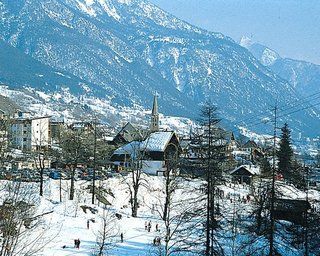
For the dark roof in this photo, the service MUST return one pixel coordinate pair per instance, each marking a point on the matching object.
(292, 205)
(250, 144)
(127, 133)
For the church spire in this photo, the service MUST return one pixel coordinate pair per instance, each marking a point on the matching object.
(154, 126)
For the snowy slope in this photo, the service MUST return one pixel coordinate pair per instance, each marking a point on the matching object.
(67, 220)
(127, 50)
(303, 76)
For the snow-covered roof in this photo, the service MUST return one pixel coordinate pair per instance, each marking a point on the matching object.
(251, 169)
(157, 141)
(128, 149)
(240, 152)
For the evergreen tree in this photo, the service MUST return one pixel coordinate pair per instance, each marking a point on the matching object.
(285, 153)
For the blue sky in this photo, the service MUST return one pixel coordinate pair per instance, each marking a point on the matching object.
(291, 27)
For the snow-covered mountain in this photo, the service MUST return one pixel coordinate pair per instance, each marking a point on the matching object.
(303, 76)
(126, 50)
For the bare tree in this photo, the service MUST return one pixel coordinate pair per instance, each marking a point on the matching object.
(22, 231)
(73, 152)
(5, 123)
(135, 179)
(181, 226)
(107, 234)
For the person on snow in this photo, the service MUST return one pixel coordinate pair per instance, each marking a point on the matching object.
(149, 226)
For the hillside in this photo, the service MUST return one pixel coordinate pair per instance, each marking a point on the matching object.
(303, 76)
(7, 105)
(126, 50)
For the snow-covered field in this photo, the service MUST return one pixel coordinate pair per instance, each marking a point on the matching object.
(67, 220)
(137, 241)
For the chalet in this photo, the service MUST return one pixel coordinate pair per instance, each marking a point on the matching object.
(153, 152)
(244, 174)
(291, 210)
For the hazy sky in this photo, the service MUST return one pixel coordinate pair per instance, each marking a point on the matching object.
(291, 27)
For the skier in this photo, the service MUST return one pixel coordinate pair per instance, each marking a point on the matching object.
(121, 237)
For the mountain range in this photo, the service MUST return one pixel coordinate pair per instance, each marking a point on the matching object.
(124, 51)
(302, 75)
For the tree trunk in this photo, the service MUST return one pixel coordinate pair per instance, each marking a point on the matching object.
(167, 200)
(72, 184)
(41, 164)
(135, 202)
(41, 181)
(104, 234)
(208, 218)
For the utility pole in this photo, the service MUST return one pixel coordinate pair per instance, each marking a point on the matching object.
(209, 188)
(94, 161)
(234, 231)
(306, 227)
(271, 239)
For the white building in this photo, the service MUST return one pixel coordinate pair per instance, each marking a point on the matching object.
(31, 133)
(21, 134)
(40, 133)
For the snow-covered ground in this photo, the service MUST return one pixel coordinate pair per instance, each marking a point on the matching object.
(67, 221)
(137, 241)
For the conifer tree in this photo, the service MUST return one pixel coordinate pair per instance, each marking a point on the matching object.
(285, 152)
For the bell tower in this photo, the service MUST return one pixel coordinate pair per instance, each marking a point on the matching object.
(154, 126)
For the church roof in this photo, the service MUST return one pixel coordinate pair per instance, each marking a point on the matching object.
(156, 141)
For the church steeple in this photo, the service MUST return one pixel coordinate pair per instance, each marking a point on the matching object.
(154, 126)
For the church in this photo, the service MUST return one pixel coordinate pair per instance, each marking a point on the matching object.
(151, 152)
